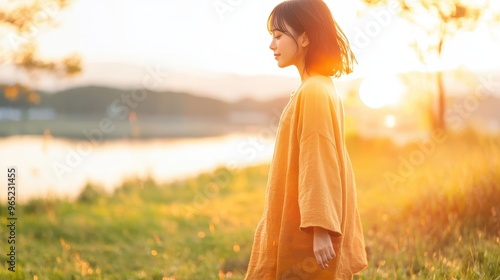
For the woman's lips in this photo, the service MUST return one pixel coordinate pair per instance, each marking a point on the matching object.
(276, 56)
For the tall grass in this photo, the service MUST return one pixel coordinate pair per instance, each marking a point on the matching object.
(440, 222)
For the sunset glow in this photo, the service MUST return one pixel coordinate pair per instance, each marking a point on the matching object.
(390, 121)
(193, 37)
(380, 90)
(163, 140)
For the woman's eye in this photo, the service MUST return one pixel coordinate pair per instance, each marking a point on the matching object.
(277, 36)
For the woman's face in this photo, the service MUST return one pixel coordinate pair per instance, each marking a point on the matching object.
(287, 50)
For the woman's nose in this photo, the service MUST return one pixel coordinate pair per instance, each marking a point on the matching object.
(272, 46)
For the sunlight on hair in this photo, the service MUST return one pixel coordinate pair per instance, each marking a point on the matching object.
(380, 90)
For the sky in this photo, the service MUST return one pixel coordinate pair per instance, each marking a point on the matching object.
(184, 35)
(230, 36)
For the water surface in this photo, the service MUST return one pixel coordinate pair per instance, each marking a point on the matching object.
(59, 167)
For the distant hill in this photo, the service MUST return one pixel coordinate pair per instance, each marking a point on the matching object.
(99, 102)
(133, 114)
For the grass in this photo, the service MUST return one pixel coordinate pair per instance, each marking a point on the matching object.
(439, 221)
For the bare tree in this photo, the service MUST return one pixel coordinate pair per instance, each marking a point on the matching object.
(440, 20)
(20, 24)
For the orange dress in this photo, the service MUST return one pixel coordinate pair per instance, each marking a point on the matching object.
(310, 184)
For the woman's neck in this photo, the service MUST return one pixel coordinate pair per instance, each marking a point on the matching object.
(304, 75)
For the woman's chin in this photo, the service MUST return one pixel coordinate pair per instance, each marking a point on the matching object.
(282, 65)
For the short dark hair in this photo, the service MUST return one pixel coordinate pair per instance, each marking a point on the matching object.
(328, 52)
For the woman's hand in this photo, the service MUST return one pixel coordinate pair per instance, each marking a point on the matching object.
(323, 247)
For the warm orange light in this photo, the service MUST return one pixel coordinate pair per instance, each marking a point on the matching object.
(236, 248)
(390, 121)
(11, 92)
(380, 90)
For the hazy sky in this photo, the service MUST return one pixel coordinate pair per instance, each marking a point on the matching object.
(230, 36)
(195, 34)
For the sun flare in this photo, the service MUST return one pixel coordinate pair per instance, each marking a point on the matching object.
(390, 121)
(380, 90)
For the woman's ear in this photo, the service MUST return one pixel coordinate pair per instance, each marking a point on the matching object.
(303, 40)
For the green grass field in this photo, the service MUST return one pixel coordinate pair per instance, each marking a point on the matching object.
(429, 211)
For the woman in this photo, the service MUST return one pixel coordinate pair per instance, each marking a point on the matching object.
(310, 228)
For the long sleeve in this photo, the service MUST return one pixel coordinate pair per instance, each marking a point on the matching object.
(320, 183)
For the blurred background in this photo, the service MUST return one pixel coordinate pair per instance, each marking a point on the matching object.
(167, 110)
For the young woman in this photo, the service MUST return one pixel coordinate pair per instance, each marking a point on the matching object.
(310, 228)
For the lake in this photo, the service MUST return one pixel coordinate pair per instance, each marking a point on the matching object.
(56, 167)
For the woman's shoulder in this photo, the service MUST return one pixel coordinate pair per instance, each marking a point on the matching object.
(317, 86)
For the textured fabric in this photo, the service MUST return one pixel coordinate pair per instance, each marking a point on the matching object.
(310, 184)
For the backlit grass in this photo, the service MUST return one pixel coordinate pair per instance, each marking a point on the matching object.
(439, 221)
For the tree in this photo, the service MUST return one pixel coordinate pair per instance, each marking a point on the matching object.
(440, 20)
(20, 24)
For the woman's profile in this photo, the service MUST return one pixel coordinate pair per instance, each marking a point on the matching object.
(310, 228)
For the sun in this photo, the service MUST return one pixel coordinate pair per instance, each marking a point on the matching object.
(379, 90)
